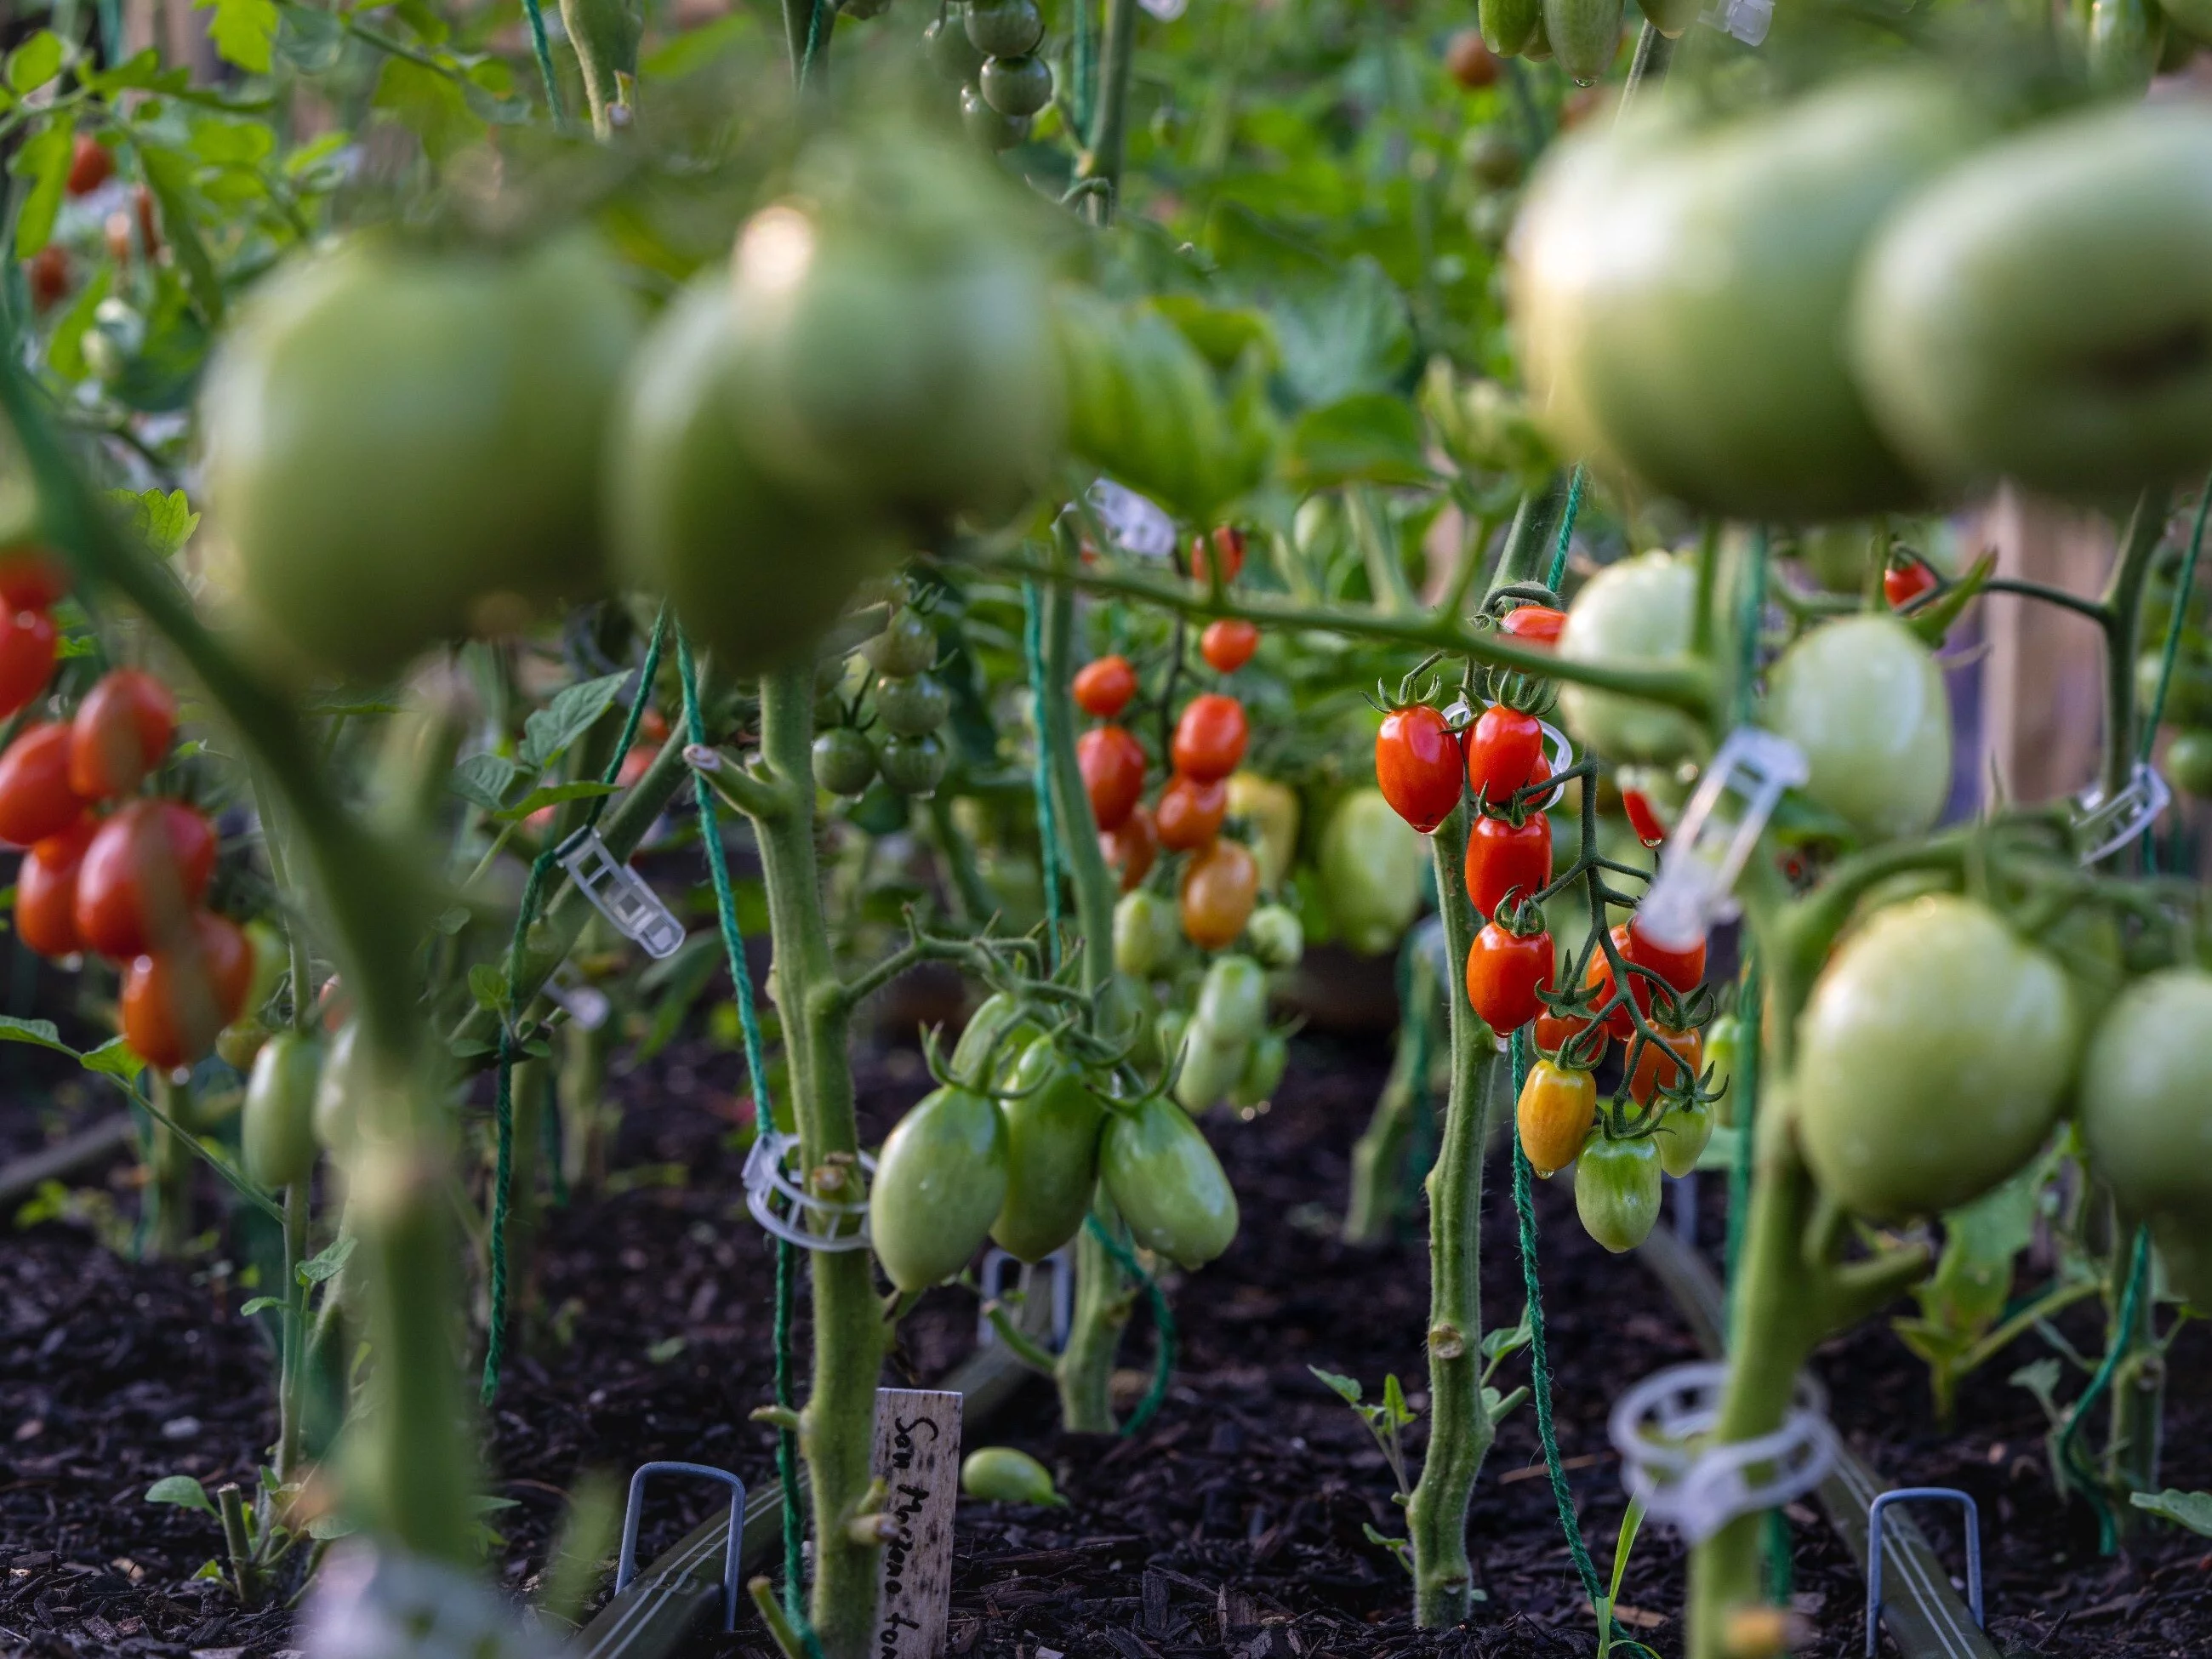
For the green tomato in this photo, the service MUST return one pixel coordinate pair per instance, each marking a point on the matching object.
(1676, 291)
(1211, 1064)
(843, 763)
(1278, 937)
(1975, 340)
(2194, 17)
(2125, 39)
(952, 54)
(1053, 1121)
(2146, 1095)
(1232, 1000)
(276, 1124)
(940, 1180)
(1509, 26)
(1263, 1069)
(1724, 1038)
(1932, 1059)
(1838, 558)
(1371, 866)
(755, 568)
(337, 1111)
(1168, 1184)
(1019, 87)
(1672, 18)
(914, 766)
(1617, 1191)
(404, 446)
(881, 810)
(1168, 1028)
(991, 128)
(1494, 158)
(1004, 28)
(913, 706)
(999, 1474)
(2188, 762)
(2188, 694)
(1585, 34)
(1146, 933)
(997, 1034)
(1864, 701)
(908, 645)
(1681, 1138)
(1642, 610)
(1271, 810)
(2185, 1250)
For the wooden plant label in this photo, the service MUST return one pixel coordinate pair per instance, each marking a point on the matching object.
(918, 1457)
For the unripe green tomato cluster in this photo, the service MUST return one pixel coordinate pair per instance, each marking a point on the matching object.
(911, 705)
(988, 49)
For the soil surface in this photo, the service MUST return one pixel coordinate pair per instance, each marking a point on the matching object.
(1235, 1523)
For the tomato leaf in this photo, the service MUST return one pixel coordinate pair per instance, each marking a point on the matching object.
(34, 63)
(262, 1304)
(694, 49)
(65, 346)
(2192, 1510)
(141, 72)
(242, 30)
(1372, 438)
(552, 794)
(163, 519)
(113, 1058)
(169, 175)
(182, 1490)
(430, 104)
(326, 1262)
(1346, 1389)
(44, 160)
(38, 1032)
(488, 985)
(309, 40)
(548, 733)
(483, 780)
(1354, 337)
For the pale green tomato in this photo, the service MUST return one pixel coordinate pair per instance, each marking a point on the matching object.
(1168, 1184)
(1371, 863)
(1864, 701)
(2146, 1095)
(1641, 610)
(1211, 1064)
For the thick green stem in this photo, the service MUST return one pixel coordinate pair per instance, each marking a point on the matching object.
(604, 33)
(169, 1169)
(2136, 1433)
(1460, 1429)
(292, 1364)
(1108, 139)
(586, 1119)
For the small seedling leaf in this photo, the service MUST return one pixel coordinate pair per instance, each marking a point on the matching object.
(2192, 1510)
(326, 1262)
(261, 1305)
(39, 1032)
(548, 733)
(182, 1490)
(1395, 1412)
(1346, 1389)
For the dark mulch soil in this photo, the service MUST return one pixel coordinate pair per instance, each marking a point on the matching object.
(1233, 1524)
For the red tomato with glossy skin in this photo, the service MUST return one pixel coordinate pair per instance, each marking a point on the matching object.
(1130, 847)
(31, 579)
(1113, 766)
(1210, 738)
(1504, 752)
(1190, 813)
(1642, 817)
(1501, 857)
(1552, 1033)
(1104, 687)
(1503, 972)
(1683, 969)
(122, 729)
(175, 1002)
(1220, 884)
(1417, 765)
(35, 798)
(1532, 624)
(1901, 584)
(1228, 645)
(144, 871)
(1678, 1062)
(27, 658)
(92, 164)
(1228, 541)
(45, 891)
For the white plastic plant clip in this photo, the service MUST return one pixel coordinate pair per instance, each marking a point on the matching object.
(1559, 755)
(999, 1265)
(586, 1004)
(789, 1211)
(1697, 869)
(1166, 10)
(620, 894)
(1657, 1425)
(1139, 525)
(1747, 20)
(2104, 827)
(371, 1603)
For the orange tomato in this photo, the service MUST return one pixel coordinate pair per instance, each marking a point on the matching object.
(1554, 1116)
(1679, 1062)
(1220, 887)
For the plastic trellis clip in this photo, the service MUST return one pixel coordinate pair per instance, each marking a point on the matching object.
(1139, 525)
(1747, 20)
(2105, 826)
(789, 1211)
(1166, 10)
(633, 1512)
(620, 894)
(1697, 870)
(1654, 1427)
(1874, 1552)
(992, 1280)
(586, 1004)
(1560, 755)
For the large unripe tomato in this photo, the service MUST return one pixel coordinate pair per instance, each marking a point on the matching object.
(1641, 610)
(45, 891)
(1168, 1184)
(757, 569)
(1679, 294)
(276, 1124)
(1113, 766)
(122, 729)
(176, 1000)
(1232, 1000)
(2146, 1095)
(2033, 315)
(402, 446)
(1863, 699)
(35, 798)
(1053, 1121)
(1417, 765)
(1371, 864)
(1220, 884)
(143, 872)
(940, 1180)
(1617, 1191)
(1210, 737)
(1932, 1059)
(1146, 934)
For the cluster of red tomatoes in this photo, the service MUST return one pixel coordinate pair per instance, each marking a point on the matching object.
(92, 164)
(127, 884)
(1221, 882)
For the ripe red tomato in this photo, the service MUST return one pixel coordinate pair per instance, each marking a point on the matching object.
(1219, 886)
(92, 164)
(1113, 765)
(1502, 857)
(1504, 752)
(27, 658)
(35, 799)
(122, 729)
(1552, 1033)
(1228, 645)
(1642, 817)
(176, 1002)
(1417, 765)
(1534, 624)
(1131, 847)
(1190, 813)
(145, 869)
(31, 579)
(1104, 687)
(1229, 542)
(1683, 971)
(45, 891)
(1503, 972)
(1210, 738)
(1901, 584)
(1680, 1061)
(49, 275)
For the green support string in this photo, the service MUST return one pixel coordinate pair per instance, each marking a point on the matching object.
(1576, 480)
(2169, 653)
(1041, 772)
(542, 49)
(1162, 1321)
(541, 871)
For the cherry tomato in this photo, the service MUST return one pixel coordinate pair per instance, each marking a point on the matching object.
(1504, 752)
(1901, 584)
(49, 275)
(45, 891)
(1219, 886)
(176, 1002)
(27, 658)
(1552, 1034)
(1104, 687)
(1417, 765)
(92, 164)
(1503, 972)
(1113, 765)
(145, 869)
(1501, 857)
(1642, 817)
(1683, 969)
(1209, 739)
(31, 579)
(1131, 847)
(1556, 1109)
(1228, 645)
(1534, 624)
(1190, 813)
(1229, 542)
(1469, 62)
(1679, 1062)
(122, 729)
(35, 799)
